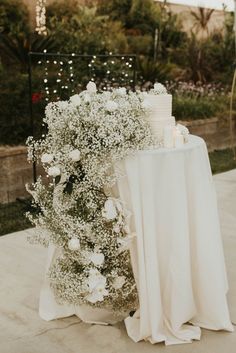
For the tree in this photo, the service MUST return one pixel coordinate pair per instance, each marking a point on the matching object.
(202, 18)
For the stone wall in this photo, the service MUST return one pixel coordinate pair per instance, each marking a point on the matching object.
(214, 131)
(15, 171)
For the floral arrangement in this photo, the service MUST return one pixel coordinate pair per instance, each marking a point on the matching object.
(158, 89)
(76, 209)
(197, 90)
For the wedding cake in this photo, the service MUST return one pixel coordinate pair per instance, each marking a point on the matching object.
(160, 106)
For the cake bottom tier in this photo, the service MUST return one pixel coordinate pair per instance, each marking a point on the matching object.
(158, 125)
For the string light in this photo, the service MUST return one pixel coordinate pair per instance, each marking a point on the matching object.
(62, 77)
(41, 17)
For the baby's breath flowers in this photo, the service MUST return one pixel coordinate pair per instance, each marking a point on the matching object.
(86, 136)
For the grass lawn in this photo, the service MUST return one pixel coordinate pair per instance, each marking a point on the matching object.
(12, 217)
(221, 161)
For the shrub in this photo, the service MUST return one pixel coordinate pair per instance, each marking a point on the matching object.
(81, 30)
(14, 114)
(198, 101)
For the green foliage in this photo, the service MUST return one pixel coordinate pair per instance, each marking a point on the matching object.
(14, 117)
(12, 217)
(140, 44)
(14, 113)
(208, 59)
(79, 29)
(14, 17)
(188, 108)
(140, 20)
(14, 50)
(151, 71)
(141, 15)
(221, 161)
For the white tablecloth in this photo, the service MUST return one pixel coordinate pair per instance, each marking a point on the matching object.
(177, 254)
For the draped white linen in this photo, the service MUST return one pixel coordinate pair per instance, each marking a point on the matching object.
(177, 254)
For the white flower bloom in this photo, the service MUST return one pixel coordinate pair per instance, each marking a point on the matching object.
(54, 171)
(91, 87)
(94, 272)
(47, 158)
(97, 294)
(106, 94)
(74, 155)
(121, 91)
(116, 228)
(111, 106)
(145, 104)
(62, 105)
(118, 282)
(96, 279)
(75, 99)
(109, 212)
(97, 258)
(74, 244)
(87, 98)
(159, 88)
(125, 242)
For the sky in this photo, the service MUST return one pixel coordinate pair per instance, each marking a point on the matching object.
(214, 4)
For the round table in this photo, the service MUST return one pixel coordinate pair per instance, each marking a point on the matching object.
(176, 254)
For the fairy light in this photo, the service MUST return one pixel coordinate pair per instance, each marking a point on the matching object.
(41, 17)
(116, 70)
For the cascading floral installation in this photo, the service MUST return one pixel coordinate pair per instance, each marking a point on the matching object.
(41, 17)
(77, 209)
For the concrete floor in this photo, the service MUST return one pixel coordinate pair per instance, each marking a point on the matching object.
(21, 274)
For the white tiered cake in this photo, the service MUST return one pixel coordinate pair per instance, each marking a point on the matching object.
(160, 104)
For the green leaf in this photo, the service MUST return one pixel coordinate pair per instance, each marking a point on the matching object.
(57, 179)
(68, 188)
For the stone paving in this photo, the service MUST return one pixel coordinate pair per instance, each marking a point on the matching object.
(21, 275)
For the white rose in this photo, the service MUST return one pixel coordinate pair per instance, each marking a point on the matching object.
(111, 106)
(75, 155)
(121, 91)
(93, 272)
(116, 229)
(145, 104)
(159, 88)
(75, 99)
(96, 279)
(91, 87)
(97, 258)
(97, 294)
(118, 282)
(74, 244)
(109, 211)
(54, 171)
(47, 158)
